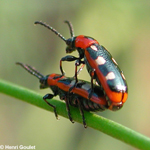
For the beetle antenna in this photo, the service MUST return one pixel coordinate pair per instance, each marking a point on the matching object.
(31, 70)
(70, 27)
(50, 28)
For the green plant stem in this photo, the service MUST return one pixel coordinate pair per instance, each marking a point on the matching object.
(102, 124)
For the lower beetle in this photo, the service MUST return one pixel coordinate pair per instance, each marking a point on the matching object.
(60, 85)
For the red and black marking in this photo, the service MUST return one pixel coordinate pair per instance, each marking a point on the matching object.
(100, 65)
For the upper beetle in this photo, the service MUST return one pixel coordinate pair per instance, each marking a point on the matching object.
(100, 65)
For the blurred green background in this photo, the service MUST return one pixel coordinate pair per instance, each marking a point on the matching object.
(123, 27)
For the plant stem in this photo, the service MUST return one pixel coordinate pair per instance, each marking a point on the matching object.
(102, 124)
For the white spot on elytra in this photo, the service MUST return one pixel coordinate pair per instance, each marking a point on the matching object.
(93, 47)
(110, 76)
(121, 87)
(100, 60)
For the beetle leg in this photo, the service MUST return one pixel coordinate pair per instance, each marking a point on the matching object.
(82, 113)
(92, 87)
(50, 96)
(75, 76)
(80, 69)
(77, 63)
(68, 109)
(66, 58)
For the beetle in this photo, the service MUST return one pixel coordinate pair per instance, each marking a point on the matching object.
(100, 65)
(60, 85)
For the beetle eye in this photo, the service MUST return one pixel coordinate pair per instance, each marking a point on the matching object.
(69, 42)
(43, 83)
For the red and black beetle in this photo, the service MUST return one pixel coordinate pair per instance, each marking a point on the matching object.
(60, 85)
(100, 65)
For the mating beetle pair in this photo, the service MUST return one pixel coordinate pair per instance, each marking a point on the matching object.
(100, 65)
